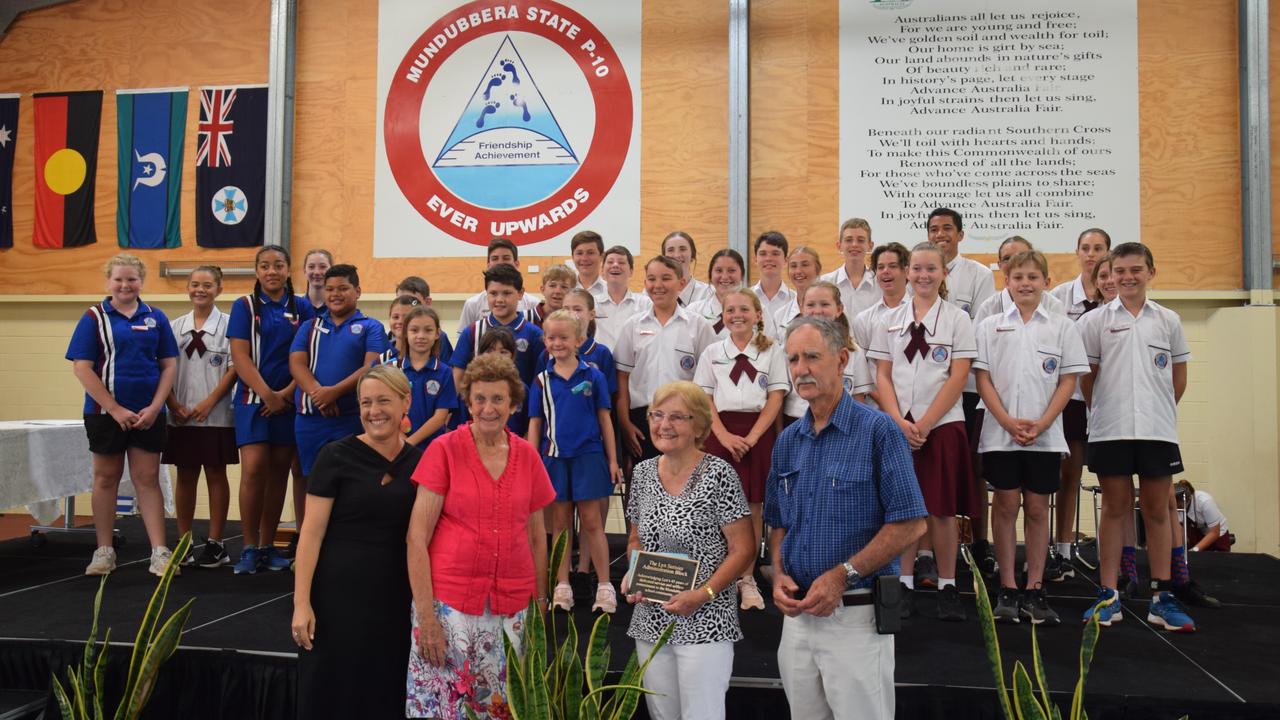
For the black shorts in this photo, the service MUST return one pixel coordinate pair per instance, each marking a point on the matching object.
(1144, 458)
(1029, 470)
(972, 418)
(106, 437)
(1075, 422)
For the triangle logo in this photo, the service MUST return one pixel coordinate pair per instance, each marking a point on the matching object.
(507, 127)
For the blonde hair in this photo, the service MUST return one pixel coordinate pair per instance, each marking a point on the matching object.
(761, 340)
(565, 316)
(817, 259)
(1029, 257)
(492, 367)
(389, 375)
(855, 224)
(561, 273)
(694, 398)
(927, 246)
(125, 260)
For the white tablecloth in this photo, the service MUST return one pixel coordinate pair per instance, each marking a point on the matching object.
(43, 461)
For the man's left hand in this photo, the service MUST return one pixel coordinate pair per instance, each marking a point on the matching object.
(824, 594)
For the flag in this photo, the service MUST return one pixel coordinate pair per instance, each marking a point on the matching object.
(8, 138)
(150, 126)
(231, 166)
(66, 155)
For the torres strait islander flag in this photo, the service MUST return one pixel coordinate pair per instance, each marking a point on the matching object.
(66, 155)
(231, 166)
(8, 138)
(150, 125)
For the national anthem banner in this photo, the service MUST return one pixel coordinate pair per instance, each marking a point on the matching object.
(506, 119)
(1020, 114)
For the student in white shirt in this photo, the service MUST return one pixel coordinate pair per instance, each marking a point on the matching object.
(587, 250)
(924, 349)
(202, 428)
(969, 284)
(501, 252)
(1027, 361)
(725, 271)
(1077, 297)
(679, 246)
(746, 376)
(655, 347)
(889, 262)
(858, 289)
(1206, 525)
(822, 299)
(771, 251)
(804, 267)
(1000, 303)
(1138, 355)
(619, 302)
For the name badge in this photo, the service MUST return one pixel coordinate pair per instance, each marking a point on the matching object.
(139, 327)
(1005, 329)
(323, 329)
(1120, 329)
(646, 332)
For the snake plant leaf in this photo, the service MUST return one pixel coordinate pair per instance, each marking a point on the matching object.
(1026, 705)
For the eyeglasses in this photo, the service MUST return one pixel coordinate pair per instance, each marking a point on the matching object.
(657, 416)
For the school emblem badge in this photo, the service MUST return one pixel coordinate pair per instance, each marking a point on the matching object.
(538, 143)
(150, 322)
(940, 354)
(432, 387)
(357, 329)
(686, 363)
(1049, 365)
(522, 345)
(1161, 360)
(215, 360)
(763, 381)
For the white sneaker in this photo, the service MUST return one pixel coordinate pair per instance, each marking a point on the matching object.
(160, 557)
(103, 562)
(562, 597)
(606, 599)
(750, 595)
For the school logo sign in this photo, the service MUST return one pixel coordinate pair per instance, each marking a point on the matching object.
(508, 120)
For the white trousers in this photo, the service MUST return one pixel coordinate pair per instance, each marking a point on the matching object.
(692, 680)
(837, 667)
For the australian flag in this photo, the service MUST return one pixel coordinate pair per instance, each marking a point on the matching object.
(231, 166)
(8, 138)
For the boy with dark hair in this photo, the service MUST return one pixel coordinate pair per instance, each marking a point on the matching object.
(501, 251)
(587, 250)
(504, 288)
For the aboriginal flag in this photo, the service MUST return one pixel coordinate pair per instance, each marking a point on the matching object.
(231, 166)
(150, 125)
(8, 138)
(66, 155)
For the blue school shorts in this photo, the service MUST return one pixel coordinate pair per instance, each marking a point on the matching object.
(315, 431)
(585, 477)
(252, 427)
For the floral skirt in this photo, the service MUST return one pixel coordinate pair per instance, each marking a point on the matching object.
(475, 671)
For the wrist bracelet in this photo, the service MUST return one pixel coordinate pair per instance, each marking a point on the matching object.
(710, 592)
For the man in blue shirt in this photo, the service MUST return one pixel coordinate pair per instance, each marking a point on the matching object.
(843, 502)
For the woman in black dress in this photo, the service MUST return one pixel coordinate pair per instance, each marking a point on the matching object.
(351, 587)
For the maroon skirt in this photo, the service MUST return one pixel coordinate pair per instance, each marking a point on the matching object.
(944, 473)
(753, 469)
(197, 446)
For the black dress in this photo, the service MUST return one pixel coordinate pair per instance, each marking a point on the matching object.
(360, 592)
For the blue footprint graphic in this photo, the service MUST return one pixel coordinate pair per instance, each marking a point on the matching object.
(510, 66)
(488, 109)
(520, 103)
(495, 80)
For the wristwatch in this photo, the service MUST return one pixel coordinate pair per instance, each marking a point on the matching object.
(851, 576)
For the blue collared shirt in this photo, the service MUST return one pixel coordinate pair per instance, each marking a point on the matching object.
(126, 352)
(833, 490)
(570, 410)
(334, 352)
(528, 343)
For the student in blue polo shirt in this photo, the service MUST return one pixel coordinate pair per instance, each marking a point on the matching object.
(124, 354)
(504, 286)
(569, 422)
(432, 395)
(261, 330)
(583, 305)
(326, 359)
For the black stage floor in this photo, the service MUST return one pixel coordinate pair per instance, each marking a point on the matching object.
(237, 659)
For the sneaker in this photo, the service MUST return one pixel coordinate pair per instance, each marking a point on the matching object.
(1107, 606)
(926, 571)
(292, 549)
(908, 607)
(1036, 607)
(1059, 569)
(248, 563)
(606, 599)
(213, 555)
(750, 595)
(1131, 588)
(190, 559)
(103, 562)
(269, 558)
(562, 598)
(1167, 613)
(949, 607)
(1006, 609)
(986, 560)
(160, 557)
(1192, 594)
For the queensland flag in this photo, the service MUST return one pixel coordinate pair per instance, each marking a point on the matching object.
(150, 125)
(66, 155)
(231, 166)
(8, 138)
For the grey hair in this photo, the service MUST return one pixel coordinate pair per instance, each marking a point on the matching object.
(833, 333)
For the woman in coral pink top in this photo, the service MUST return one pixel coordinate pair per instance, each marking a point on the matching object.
(477, 550)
